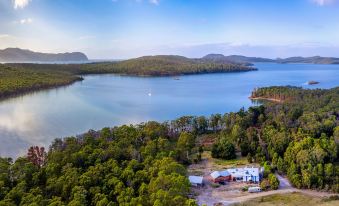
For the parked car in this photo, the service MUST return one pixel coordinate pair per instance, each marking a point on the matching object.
(254, 189)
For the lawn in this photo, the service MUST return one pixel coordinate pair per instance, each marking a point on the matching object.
(290, 199)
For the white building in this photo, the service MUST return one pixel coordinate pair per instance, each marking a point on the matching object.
(247, 174)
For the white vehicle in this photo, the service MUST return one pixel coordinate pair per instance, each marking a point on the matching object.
(254, 189)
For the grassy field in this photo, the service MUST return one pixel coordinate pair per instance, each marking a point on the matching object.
(239, 161)
(290, 199)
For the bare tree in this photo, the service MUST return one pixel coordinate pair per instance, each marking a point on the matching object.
(37, 155)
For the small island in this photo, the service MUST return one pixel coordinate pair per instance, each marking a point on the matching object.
(312, 82)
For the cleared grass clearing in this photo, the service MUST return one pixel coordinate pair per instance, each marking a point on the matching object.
(220, 163)
(290, 199)
(239, 161)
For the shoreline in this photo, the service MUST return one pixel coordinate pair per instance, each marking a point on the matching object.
(26, 91)
(266, 98)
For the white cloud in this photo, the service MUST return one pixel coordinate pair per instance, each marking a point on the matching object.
(19, 4)
(323, 2)
(26, 21)
(3, 36)
(156, 2)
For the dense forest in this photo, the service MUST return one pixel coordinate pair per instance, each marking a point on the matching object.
(145, 164)
(165, 65)
(279, 93)
(21, 78)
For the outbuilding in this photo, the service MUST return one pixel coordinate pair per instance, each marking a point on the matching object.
(196, 181)
(221, 176)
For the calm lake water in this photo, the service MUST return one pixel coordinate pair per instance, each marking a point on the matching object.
(108, 100)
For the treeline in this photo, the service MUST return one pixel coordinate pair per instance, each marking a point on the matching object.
(127, 165)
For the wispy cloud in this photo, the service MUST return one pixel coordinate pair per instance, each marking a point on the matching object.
(19, 4)
(26, 21)
(156, 2)
(323, 2)
(3, 36)
(86, 37)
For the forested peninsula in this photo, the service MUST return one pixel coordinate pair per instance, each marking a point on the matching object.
(20, 80)
(146, 164)
(279, 93)
(16, 79)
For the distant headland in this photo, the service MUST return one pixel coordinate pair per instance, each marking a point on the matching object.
(17, 55)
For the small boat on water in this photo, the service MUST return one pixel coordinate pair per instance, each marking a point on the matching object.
(312, 82)
(176, 78)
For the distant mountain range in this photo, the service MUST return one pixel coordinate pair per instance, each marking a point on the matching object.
(310, 60)
(21, 55)
(247, 60)
(220, 58)
(18, 55)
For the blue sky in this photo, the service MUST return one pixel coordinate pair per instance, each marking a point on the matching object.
(113, 29)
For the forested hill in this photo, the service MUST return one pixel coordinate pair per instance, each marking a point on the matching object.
(145, 164)
(165, 65)
(244, 60)
(21, 55)
(238, 59)
(309, 60)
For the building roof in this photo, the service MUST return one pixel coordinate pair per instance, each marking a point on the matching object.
(195, 179)
(217, 174)
(247, 171)
(236, 172)
(224, 173)
(251, 171)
